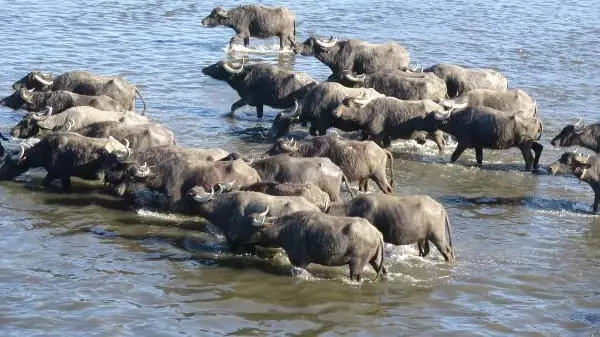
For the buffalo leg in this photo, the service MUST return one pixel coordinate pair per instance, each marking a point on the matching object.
(363, 185)
(375, 265)
(66, 183)
(259, 111)
(383, 184)
(443, 248)
(479, 155)
(356, 267)
(460, 148)
(246, 41)
(527, 156)
(438, 138)
(537, 148)
(596, 189)
(423, 247)
(238, 104)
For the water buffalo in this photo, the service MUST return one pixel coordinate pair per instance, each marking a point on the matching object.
(260, 84)
(240, 214)
(174, 174)
(141, 136)
(309, 192)
(317, 108)
(64, 155)
(510, 100)
(387, 118)
(460, 80)
(585, 168)
(403, 220)
(481, 127)
(255, 21)
(359, 160)
(36, 124)
(84, 83)
(400, 84)
(290, 170)
(356, 56)
(59, 101)
(314, 237)
(579, 134)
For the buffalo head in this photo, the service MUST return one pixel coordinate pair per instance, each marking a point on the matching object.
(283, 146)
(571, 162)
(15, 163)
(223, 70)
(284, 121)
(314, 45)
(118, 149)
(31, 125)
(569, 135)
(217, 17)
(36, 80)
(21, 98)
(199, 194)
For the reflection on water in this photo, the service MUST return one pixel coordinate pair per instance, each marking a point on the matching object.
(527, 245)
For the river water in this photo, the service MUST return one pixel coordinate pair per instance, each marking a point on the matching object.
(88, 263)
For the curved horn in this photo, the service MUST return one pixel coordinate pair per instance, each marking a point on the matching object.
(443, 115)
(205, 198)
(222, 12)
(49, 111)
(37, 117)
(41, 80)
(458, 106)
(357, 78)
(229, 69)
(414, 70)
(144, 170)
(21, 153)
(126, 142)
(70, 124)
(251, 160)
(326, 44)
(230, 185)
(576, 149)
(578, 123)
(293, 113)
(264, 214)
(259, 220)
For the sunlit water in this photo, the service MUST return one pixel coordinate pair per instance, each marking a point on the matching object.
(527, 246)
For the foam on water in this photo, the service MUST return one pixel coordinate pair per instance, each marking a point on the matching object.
(144, 213)
(256, 48)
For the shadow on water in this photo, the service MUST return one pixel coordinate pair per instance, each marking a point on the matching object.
(530, 202)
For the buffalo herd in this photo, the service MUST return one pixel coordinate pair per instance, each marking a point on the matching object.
(79, 124)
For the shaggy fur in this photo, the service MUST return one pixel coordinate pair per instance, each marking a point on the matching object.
(59, 101)
(460, 80)
(510, 101)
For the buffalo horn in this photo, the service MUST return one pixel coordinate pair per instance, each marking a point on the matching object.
(417, 66)
(327, 44)
(443, 115)
(262, 216)
(70, 124)
(222, 12)
(232, 70)
(144, 170)
(21, 153)
(293, 113)
(576, 149)
(352, 78)
(205, 197)
(38, 117)
(41, 80)
(578, 123)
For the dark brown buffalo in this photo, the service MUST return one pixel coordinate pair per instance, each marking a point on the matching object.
(84, 83)
(58, 101)
(314, 237)
(404, 220)
(255, 21)
(359, 160)
(585, 168)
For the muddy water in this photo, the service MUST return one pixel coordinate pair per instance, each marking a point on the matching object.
(527, 244)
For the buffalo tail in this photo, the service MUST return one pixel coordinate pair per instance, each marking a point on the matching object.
(380, 270)
(143, 101)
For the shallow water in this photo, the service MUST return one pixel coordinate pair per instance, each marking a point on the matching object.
(527, 245)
